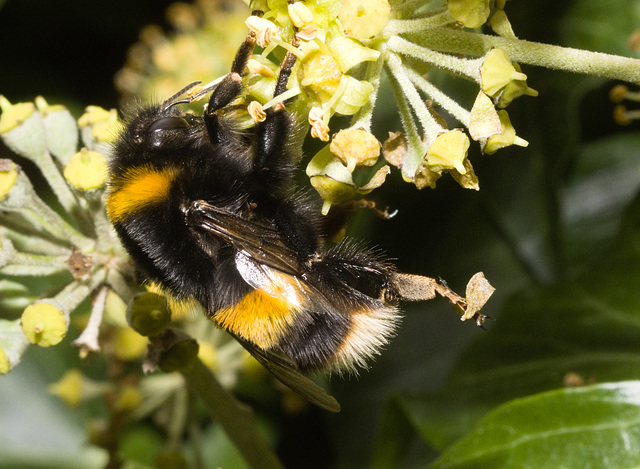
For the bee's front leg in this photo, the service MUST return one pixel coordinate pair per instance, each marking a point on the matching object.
(272, 135)
(229, 88)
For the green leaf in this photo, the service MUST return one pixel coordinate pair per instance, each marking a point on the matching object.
(593, 426)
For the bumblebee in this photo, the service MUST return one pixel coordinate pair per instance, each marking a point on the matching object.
(209, 210)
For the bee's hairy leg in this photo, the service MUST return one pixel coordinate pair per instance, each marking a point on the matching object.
(230, 87)
(285, 72)
(272, 134)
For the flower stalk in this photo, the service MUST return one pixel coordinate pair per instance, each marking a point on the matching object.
(551, 56)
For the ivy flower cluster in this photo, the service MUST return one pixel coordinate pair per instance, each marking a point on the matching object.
(343, 47)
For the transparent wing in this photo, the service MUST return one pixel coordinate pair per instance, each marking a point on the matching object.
(259, 240)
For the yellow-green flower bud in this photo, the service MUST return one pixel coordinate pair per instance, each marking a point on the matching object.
(97, 125)
(13, 344)
(299, 14)
(179, 355)
(128, 344)
(332, 191)
(470, 13)
(44, 324)
(356, 94)
(497, 72)
(363, 19)
(506, 138)
(349, 52)
(14, 115)
(69, 388)
(258, 67)
(8, 177)
(149, 314)
(87, 170)
(484, 121)
(333, 181)
(513, 90)
(468, 179)
(500, 24)
(22, 129)
(355, 147)
(74, 388)
(448, 151)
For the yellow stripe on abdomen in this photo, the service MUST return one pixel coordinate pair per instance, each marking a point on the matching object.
(258, 318)
(137, 188)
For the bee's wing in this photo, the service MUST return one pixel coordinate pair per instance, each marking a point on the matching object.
(260, 241)
(280, 366)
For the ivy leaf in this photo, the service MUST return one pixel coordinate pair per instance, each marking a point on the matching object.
(569, 428)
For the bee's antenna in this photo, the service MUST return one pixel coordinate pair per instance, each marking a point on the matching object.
(170, 101)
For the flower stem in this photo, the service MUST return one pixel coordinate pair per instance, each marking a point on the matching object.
(235, 418)
(419, 24)
(465, 67)
(535, 53)
(416, 147)
(429, 125)
(447, 103)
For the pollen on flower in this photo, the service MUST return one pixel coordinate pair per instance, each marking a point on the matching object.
(319, 128)
(264, 29)
(300, 14)
(319, 75)
(308, 33)
(256, 112)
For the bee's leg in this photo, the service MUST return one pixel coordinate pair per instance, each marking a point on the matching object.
(274, 163)
(229, 88)
(273, 132)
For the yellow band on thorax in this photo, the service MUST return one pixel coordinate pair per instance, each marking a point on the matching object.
(137, 188)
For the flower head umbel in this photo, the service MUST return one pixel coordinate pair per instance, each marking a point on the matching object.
(343, 47)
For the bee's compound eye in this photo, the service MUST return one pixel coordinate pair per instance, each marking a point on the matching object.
(169, 123)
